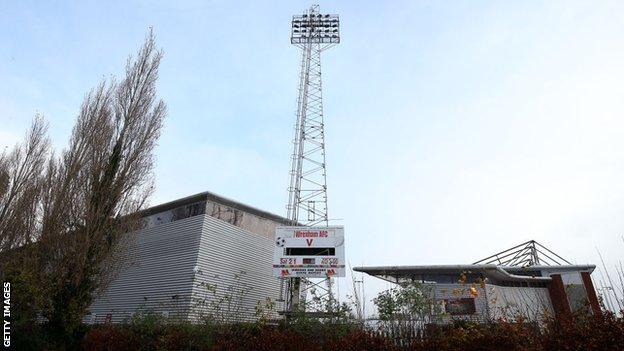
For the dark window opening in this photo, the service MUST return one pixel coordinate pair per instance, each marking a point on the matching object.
(461, 306)
(310, 251)
(187, 211)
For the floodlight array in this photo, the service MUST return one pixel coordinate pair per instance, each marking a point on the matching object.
(315, 28)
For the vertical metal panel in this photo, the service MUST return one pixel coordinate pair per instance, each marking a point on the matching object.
(159, 276)
(232, 259)
(171, 260)
(494, 301)
(512, 301)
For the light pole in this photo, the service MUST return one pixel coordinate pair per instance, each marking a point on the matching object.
(312, 32)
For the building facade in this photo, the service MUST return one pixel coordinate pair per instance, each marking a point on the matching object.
(202, 256)
(520, 284)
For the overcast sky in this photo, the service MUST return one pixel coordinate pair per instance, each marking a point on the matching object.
(455, 129)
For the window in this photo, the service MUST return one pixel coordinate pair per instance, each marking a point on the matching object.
(461, 306)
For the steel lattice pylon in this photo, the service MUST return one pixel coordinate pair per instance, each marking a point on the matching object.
(313, 33)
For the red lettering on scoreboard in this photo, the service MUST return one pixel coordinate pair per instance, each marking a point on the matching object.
(311, 233)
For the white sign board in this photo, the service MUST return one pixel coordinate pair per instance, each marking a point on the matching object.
(309, 252)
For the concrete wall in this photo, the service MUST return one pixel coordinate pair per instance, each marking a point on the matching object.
(247, 221)
(251, 222)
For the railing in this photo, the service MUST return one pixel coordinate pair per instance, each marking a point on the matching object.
(401, 337)
(402, 333)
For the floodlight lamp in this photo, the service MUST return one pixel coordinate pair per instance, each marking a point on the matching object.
(315, 28)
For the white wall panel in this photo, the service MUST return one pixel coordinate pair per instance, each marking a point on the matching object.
(161, 267)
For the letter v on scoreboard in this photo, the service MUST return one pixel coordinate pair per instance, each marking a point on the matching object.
(309, 252)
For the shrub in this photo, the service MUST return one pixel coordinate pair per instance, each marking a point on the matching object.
(264, 339)
(502, 335)
(580, 332)
(110, 338)
(360, 340)
(186, 336)
(584, 332)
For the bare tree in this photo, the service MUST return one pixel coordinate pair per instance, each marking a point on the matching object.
(75, 211)
(21, 181)
(100, 180)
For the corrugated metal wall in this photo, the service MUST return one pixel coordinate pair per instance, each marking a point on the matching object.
(170, 261)
(510, 302)
(493, 301)
(236, 265)
(160, 273)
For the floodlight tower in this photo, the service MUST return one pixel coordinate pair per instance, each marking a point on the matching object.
(312, 32)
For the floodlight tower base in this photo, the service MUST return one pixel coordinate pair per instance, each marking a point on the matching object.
(313, 33)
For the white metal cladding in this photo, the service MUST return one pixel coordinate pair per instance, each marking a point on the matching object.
(171, 260)
(494, 301)
(511, 301)
(225, 252)
(159, 276)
